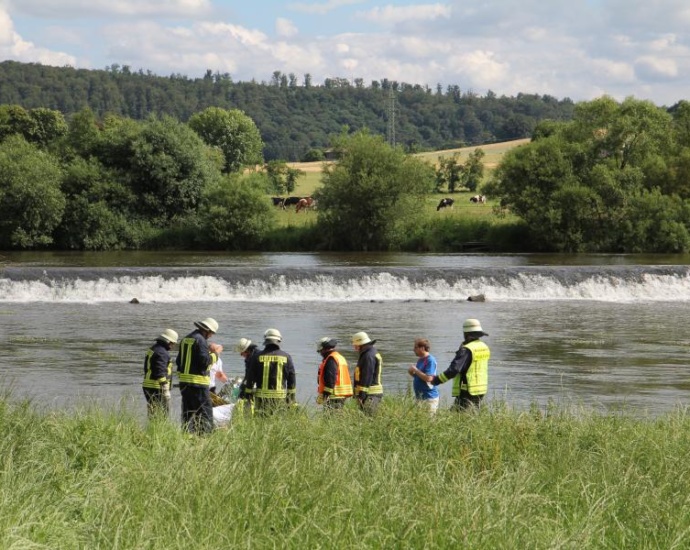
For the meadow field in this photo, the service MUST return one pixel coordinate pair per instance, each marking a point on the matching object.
(546, 477)
(310, 181)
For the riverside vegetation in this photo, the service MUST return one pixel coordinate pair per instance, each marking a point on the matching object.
(615, 178)
(550, 477)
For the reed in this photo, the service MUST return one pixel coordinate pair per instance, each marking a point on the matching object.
(553, 477)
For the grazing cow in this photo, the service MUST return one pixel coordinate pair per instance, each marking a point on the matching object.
(304, 204)
(291, 201)
(279, 201)
(445, 203)
(478, 199)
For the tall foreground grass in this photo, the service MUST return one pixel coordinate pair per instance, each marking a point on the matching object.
(549, 478)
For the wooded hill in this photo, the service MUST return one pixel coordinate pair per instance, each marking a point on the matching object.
(294, 117)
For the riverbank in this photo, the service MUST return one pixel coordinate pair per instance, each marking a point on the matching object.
(549, 477)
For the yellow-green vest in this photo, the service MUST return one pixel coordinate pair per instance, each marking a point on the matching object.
(478, 374)
(151, 383)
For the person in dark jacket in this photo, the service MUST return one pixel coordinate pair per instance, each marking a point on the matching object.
(469, 369)
(247, 350)
(271, 378)
(368, 387)
(158, 374)
(194, 361)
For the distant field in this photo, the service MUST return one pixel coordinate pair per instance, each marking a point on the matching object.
(311, 180)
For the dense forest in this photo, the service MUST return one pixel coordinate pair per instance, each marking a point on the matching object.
(295, 116)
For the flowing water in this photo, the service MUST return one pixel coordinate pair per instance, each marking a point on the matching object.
(609, 332)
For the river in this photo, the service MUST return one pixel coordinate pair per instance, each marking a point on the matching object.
(603, 331)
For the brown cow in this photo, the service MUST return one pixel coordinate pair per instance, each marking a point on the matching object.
(305, 204)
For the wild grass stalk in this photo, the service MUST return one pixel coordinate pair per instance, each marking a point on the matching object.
(552, 477)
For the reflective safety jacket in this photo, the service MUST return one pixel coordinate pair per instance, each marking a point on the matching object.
(157, 366)
(271, 374)
(194, 360)
(334, 376)
(368, 372)
(469, 369)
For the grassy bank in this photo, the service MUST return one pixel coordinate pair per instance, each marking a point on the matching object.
(497, 479)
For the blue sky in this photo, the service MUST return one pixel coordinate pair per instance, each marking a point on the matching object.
(580, 49)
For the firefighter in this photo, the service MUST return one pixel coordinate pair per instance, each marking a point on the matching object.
(194, 361)
(368, 386)
(334, 381)
(247, 350)
(158, 374)
(271, 379)
(469, 369)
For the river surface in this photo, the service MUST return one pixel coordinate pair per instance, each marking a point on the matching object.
(608, 332)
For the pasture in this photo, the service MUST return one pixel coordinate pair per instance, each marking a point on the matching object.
(310, 181)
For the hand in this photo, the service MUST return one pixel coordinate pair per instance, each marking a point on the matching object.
(412, 370)
(165, 390)
(215, 348)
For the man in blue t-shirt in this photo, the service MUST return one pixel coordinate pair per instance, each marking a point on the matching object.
(425, 393)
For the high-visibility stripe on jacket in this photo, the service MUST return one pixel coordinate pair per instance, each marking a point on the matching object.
(272, 374)
(157, 367)
(194, 360)
(368, 372)
(343, 384)
(478, 374)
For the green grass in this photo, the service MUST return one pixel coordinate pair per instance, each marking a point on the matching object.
(543, 478)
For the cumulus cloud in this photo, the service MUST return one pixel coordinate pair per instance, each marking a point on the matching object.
(13, 46)
(649, 67)
(285, 28)
(390, 15)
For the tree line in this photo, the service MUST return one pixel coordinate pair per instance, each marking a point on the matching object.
(296, 117)
(614, 178)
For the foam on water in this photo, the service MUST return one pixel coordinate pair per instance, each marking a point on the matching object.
(380, 286)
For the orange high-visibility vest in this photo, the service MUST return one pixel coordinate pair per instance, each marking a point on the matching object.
(343, 384)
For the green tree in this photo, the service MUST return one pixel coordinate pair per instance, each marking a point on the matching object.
(169, 170)
(449, 173)
(473, 170)
(231, 131)
(237, 216)
(371, 196)
(31, 203)
(580, 184)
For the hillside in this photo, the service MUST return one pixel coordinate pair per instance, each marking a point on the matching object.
(293, 117)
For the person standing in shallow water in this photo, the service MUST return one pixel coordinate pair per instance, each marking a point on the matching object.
(425, 393)
(469, 369)
(158, 374)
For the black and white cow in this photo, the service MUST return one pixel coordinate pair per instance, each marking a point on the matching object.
(447, 202)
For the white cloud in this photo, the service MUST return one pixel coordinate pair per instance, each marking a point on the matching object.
(649, 67)
(322, 8)
(13, 46)
(285, 28)
(390, 15)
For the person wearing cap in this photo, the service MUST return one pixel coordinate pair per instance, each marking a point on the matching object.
(158, 374)
(469, 369)
(271, 376)
(247, 350)
(368, 387)
(425, 393)
(334, 381)
(194, 361)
